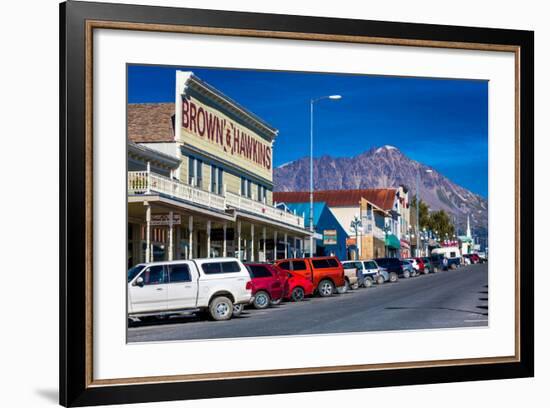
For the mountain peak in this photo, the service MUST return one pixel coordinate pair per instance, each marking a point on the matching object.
(385, 148)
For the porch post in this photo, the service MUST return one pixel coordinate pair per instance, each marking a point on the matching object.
(264, 233)
(251, 242)
(225, 239)
(286, 246)
(239, 240)
(147, 232)
(208, 227)
(171, 236)
(294, 248)
(148, 177)
(190, 237)
(275, 245)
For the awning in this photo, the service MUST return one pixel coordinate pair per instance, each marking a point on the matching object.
(392, 242)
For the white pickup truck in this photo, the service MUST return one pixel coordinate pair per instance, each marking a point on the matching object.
(174, 287)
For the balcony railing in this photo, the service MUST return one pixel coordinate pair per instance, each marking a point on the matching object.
(144, 182)
(257, 207)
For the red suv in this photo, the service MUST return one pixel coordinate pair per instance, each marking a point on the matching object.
(267, 284)
(325, 273)
(297, 287)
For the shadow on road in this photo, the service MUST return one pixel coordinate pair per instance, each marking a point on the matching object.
(437, 308)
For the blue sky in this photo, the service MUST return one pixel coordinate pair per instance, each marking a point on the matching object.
(439, 122)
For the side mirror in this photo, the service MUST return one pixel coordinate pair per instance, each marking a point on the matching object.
(139, 282)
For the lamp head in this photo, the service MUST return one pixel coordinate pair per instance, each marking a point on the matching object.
(335, 97)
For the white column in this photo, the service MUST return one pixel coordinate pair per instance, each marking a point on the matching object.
(147, 232)
(294, 248)
(239, 239)
(225, 239)
(275, 245)
(208, 227)
(190, 237)
(252, 259)
(170, 237)
(286, 246)
(264, 233)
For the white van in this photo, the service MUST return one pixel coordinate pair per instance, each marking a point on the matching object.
(214, 285)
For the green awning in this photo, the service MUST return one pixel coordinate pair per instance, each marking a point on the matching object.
(392, 241)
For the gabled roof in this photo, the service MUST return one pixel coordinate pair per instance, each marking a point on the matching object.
(381, 197)
(151, 122)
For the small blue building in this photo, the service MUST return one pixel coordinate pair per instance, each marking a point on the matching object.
(325, 224)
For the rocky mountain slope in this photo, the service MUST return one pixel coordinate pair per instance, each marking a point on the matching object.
(386, 166)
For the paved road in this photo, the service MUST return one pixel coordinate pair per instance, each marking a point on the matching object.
(443, 300)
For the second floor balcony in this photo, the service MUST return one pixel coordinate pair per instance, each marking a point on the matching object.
(146, 182)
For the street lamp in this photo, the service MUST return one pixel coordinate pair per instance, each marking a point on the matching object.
(418, 209)
(311, 103)
(355, 225)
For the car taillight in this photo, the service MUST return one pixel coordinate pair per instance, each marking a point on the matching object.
(249, 285)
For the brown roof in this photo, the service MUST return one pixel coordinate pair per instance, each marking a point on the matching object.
(151, 122)
(381, 197)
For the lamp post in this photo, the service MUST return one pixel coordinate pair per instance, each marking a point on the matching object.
(355, 225)
(311, 103)
(418, 209)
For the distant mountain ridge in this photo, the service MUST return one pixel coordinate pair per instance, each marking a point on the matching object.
(386, 166)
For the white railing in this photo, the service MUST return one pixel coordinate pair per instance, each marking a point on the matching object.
(143, 182)
(257, 207)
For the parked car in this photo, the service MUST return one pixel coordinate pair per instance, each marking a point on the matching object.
(297, 287)
(408, 269)
(392, 266)
(420, 267)
(414, 263)
(351, 277)
(475, 258)
(214, 285)
(428, 267)
(368, 272)
(267, 284)
(326, 273)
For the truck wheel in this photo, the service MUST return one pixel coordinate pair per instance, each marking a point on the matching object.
(453, 267)
(406, 274)
(298, 294)
(355, 286)
(237, 310)
(393, 277)
(380, 280)
(325, 288)
(346, 286)
(221, 308)
(368, 282)
(261, 300)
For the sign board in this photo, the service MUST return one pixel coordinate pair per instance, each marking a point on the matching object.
(214, 132)
(330, 237)
(164, 219)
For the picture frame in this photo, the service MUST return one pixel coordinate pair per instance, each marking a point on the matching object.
(78, 20)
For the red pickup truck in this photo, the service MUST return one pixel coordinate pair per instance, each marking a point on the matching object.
(326, 273)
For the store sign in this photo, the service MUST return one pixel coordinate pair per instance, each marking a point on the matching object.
(330, 237)
(164, 219)
(217, 131)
